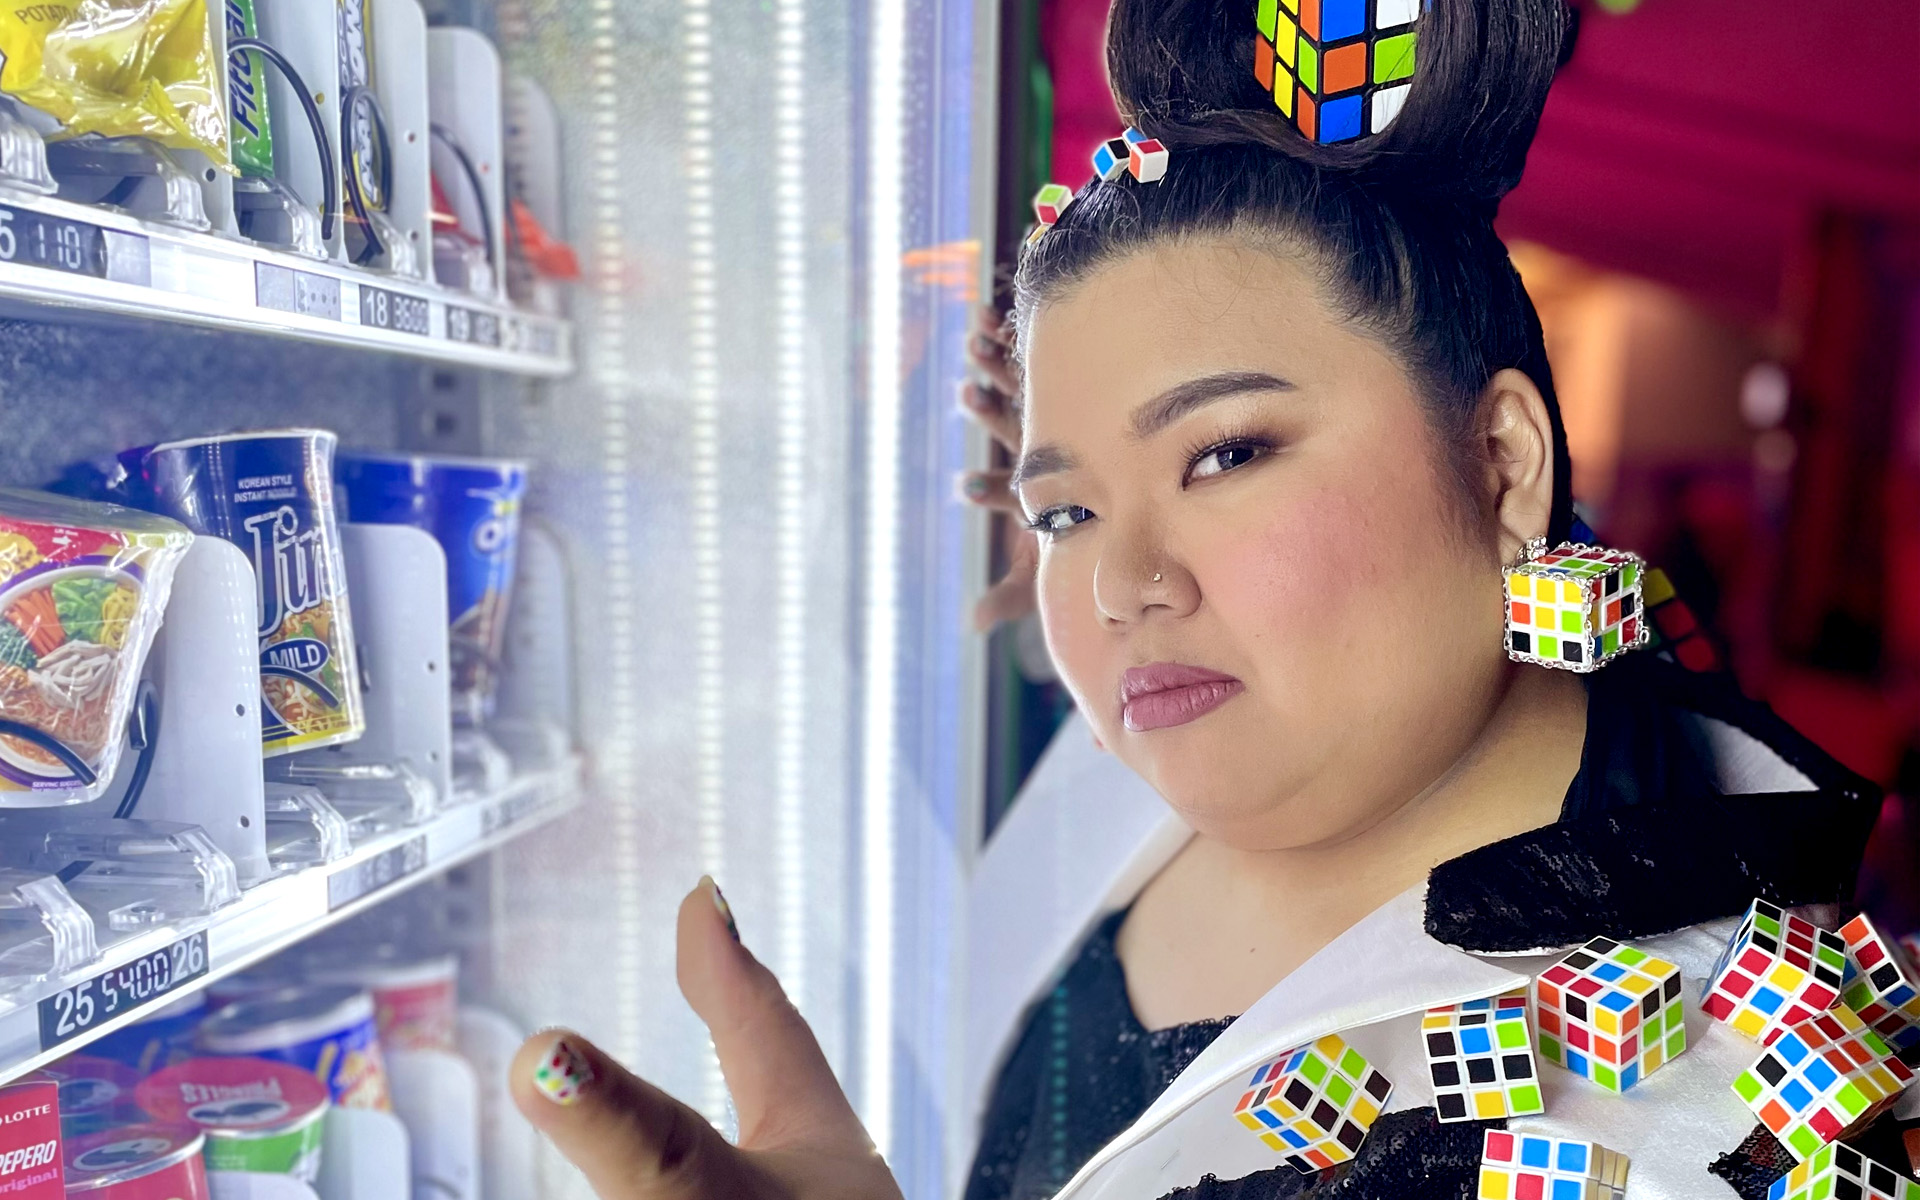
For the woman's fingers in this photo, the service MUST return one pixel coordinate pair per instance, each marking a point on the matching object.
(630, 1139)
(990, 351)
(991, 489)
(994, 410)
(1014, 596)
(783, 1090)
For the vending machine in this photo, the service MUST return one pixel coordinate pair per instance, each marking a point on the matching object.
(469, 468)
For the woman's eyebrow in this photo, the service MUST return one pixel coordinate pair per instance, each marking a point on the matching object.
(1183, 398)
(1041, 460)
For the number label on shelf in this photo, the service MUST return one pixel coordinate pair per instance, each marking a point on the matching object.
(300, 292)
(37, 240)
(381, 309)
(511, 811)
(472, 327)
(70, 1013)
(382, 870)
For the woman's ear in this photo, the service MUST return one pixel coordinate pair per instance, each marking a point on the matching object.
(1519, 459)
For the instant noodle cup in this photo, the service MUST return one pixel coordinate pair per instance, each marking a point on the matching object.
(472, 508)
(82, 589)
(416, 998)
(138, 1162)
(258, 1115)
(158, 1040)
(271, 494)
(120, 68)
(327, 1031)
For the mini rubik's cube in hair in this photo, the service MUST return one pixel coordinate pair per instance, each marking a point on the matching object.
(1881, 989)
(1822, 1079)
(1518, 1166)
(1050, 201)
(1777, 970)
(1576, 606)
(1610, 1012)
(1146, 157)
(1339, 69)
(1110, 159)
(1314, 1104)
(1481, 1059)
(1837, 1170)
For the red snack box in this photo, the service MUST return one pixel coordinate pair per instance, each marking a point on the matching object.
(31, 1167)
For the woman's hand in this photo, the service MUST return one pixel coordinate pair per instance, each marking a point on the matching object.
(799, 1138)
(988, 397)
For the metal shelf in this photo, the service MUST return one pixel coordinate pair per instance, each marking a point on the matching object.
(276, 914)
(80, 259)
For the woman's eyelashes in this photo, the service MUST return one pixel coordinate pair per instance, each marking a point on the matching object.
(1052, 522)
(1219, 457)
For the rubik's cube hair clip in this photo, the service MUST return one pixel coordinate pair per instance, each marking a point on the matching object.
(1132, 153)
(1338, 69)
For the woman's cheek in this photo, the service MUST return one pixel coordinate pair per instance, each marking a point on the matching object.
(1071, 623)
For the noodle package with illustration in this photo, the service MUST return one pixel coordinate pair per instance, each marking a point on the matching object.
(271, 494)
(82, 590)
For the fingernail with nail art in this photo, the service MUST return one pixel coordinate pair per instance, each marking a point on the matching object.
(562, 1074)
(726, 910)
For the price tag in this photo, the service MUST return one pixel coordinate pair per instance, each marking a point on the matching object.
(381, 309)
(511, 811)
(382, 870)
(472, 327)
(70, 1013)
(293, 291)
(35, 239)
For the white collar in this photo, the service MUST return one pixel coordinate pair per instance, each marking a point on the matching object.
(1383, 967)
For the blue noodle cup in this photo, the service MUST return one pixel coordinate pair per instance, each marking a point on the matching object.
(271, 494)
(472, 508)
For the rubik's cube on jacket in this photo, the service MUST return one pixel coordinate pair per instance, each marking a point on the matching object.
(1881, 989)
(1338, 68)
(1610, 1012)
(1841, 1171)
(1821, 1079)
(1674, 629)
(1314, 1104)
(1481, 1059)
(1576, 606)
(1777, 970)
(1517, 1166)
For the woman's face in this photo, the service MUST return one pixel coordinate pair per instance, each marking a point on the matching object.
(1255, 575)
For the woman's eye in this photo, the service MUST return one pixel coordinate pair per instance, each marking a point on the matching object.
(1220, 459)
(1059, 519)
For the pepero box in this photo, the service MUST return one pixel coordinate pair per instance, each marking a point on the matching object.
(31, 1166)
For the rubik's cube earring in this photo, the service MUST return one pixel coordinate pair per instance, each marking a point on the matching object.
(1575, 607)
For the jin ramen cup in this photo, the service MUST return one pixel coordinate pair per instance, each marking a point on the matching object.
(82, 589)
(271, 494)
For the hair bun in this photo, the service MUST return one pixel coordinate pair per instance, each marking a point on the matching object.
(1182, 71)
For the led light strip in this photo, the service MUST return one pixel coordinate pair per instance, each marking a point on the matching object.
(886, 100)
(609, 369)
(790, 389)
(703, 387)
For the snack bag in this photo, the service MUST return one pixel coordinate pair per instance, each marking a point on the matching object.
(82, 590)
(121, 68)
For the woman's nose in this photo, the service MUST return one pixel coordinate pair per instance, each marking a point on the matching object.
(1133, 586)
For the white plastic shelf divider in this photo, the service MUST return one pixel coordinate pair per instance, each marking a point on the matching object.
(280, 912)
(57, 254)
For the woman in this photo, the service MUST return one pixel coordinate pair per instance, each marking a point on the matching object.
(1288, 421)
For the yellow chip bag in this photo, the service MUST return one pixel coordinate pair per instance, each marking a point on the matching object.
(122, 68)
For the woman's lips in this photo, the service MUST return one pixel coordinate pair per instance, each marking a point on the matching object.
(1162, 695)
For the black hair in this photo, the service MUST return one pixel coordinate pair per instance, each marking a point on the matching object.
(1399, 224)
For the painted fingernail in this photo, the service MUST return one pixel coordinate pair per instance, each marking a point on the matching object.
(974, 487)
(562, 1074)
(726, 910)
